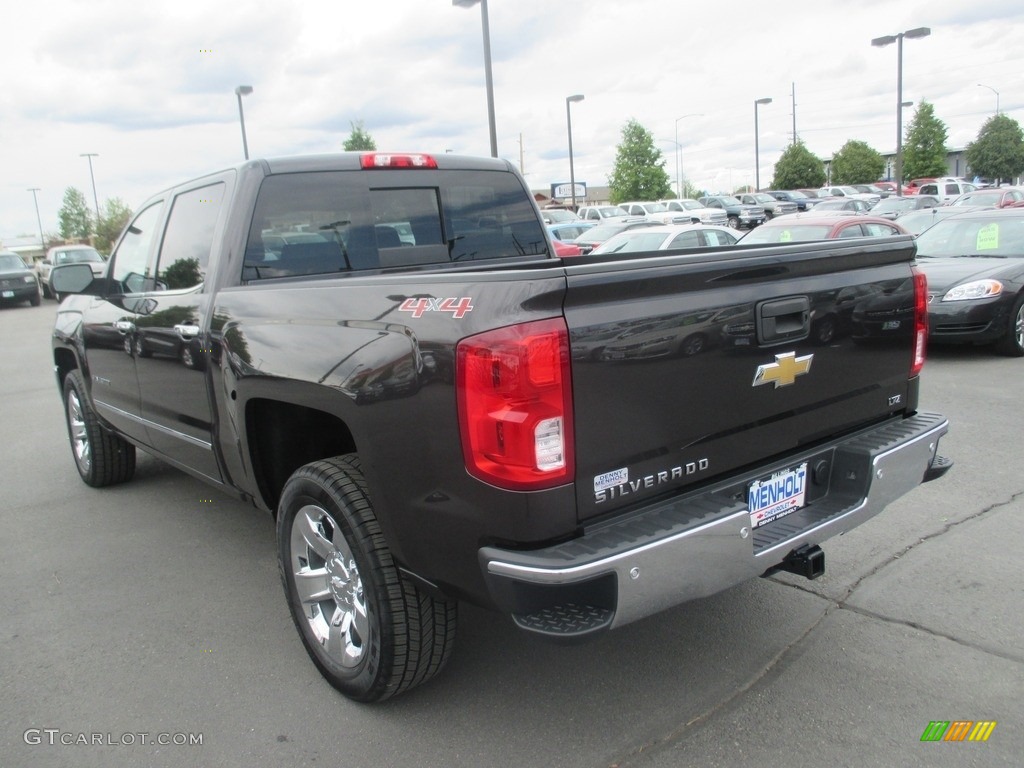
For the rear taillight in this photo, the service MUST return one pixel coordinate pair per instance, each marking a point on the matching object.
(515, 405)
(384, 160)
(920, 321)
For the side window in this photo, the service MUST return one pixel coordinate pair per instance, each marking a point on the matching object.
(851, 231)
(131, 259)
(685, 240)
(952, 189)
(185, 253)
(713, 237)
(879, 230)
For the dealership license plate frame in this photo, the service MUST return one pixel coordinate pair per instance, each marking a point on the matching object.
(784, 505)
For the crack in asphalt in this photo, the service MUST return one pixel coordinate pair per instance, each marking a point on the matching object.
(775, 664)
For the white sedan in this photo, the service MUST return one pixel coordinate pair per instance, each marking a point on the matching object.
(667, 239)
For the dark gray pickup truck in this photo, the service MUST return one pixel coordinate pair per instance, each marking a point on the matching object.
(382, 352)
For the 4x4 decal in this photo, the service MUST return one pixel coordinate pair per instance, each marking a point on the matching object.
(458, 307)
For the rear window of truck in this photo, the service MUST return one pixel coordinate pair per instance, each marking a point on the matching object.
(319, 223)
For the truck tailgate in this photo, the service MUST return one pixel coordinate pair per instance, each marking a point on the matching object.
(686, 367)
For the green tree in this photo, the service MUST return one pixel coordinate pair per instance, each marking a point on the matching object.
(360, 139)
(639, 171)
(998, 152)
(924, 147)
(114, 219)
(798, 167)
(857, 163)
(692, 192)
(74, 215)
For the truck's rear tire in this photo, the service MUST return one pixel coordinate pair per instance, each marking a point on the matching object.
(734, 222)
(370, 631)
(101, 457)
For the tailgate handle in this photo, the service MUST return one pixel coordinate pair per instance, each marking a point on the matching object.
(784, 319)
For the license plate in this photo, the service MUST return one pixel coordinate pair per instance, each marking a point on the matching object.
(777, 496)
(8, 294)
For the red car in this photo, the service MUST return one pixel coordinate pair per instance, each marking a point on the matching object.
(914, 185)
(992, 197)
(565, 249)
(890, 187)
(825, 226)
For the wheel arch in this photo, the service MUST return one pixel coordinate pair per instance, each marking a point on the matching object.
(284, 435)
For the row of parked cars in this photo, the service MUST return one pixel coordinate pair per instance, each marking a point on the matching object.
(19, 282)
(972, 253)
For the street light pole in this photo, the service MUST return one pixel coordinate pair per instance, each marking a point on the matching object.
(92, 178)
(489, 80)
(757, 148)
(39, 221)
(679, 167)
(240, 91)
(568, 121)
(881, 42)
(982, 85)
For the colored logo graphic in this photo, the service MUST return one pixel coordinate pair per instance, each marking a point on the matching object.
(958, 730)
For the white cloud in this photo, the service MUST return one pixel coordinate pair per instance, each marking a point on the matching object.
(134, 83)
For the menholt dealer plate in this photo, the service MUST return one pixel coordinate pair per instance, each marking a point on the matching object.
(777, 496)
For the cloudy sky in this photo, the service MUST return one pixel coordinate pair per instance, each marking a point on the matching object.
(150, 88)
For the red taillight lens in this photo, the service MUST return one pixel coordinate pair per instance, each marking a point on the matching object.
(383, 160)
(515, 405)
(920, 321)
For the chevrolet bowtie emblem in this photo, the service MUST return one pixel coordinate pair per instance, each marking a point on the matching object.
(783, 371)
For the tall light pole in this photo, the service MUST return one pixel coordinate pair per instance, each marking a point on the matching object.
(881, 42)
(39, 221)
(487, 67)
(982, 85)
(757, 148)
(92, 178)
(679, 168)
(240, 91)
(568, 121)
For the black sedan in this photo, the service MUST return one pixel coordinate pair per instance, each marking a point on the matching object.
(17, 282)
(974, 263)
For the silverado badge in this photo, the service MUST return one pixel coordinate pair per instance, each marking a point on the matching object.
(783, 371)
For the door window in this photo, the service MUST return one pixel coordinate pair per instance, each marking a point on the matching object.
(188, 239)
(132, 271)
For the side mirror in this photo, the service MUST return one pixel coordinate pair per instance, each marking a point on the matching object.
(70, 278)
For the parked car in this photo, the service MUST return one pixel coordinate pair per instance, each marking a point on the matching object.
(68, 254)
(890, 187)
(17, 282)
(873, 189)
(594, 236)
(833, 204)
(993, 197)
(657, 212)
(558, 215)
(699, 213)
(916, 222)
(602, 213)
(565, 249)
(814, 226)
(845, 190)
(802, 201)
(974, 263)
(946, 189)
(568, 231)
(914, 185)
(739, 215)
(672, 238)
(772, 206)
(815, 194)
(893, 207)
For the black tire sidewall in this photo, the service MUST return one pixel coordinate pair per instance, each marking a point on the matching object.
(366, 681)
(73, 383)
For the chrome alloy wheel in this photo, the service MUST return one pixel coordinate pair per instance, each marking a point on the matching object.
(79, 434)
(329, 586)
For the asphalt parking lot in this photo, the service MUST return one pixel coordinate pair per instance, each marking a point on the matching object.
(153, 612)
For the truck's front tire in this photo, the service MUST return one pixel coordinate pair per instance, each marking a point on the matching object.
(370, 631)
(101, 457)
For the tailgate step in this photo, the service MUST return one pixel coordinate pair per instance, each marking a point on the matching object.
(566, 621)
